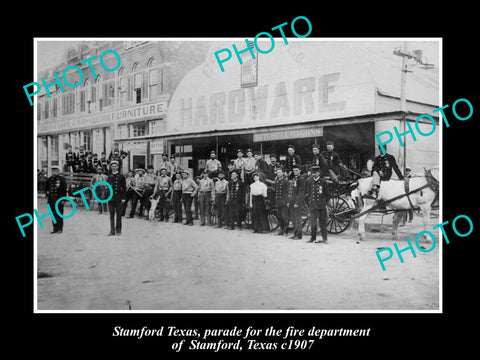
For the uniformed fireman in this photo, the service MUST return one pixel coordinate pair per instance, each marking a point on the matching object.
(281, 187)
(319, 160)
(56, 187)
(70, 159)
(115, 204)
(382, 170)
(235, 200)
(334, 162)
(81, 163)
(317, 195)
(296, 201)
(291, 160)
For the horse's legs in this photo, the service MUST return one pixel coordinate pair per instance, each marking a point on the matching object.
(361, 221)
(425, 210)
(397, 217)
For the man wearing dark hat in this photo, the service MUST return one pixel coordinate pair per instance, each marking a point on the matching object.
(115, 205)
(70, 159)
(296, 201)
(334, 163)
(291, 160)
(281, 187)
(81, 163)
(319, 160)
(317, 194)
(56, 187)
(213, 165)
(235, 200)
(163, 188)
(115, 156)
(261, 166)
(382, 170)
(220, 195)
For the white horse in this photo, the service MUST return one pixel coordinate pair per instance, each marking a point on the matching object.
(422, 199)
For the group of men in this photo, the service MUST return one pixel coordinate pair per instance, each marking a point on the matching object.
(88, 162)
(229, 190)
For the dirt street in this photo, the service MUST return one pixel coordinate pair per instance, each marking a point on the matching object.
(167, 266)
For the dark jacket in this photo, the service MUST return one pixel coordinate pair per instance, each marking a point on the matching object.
(296, 193)
(56, 187)
(386, 163)
(333, 161)
(317, 193)
(292, 160)
(281, 191)
(236, 190)
(119, 187)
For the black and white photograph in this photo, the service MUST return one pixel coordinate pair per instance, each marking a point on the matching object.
(277, 174)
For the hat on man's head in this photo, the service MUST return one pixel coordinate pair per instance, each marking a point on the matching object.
(249, 150)
(114, 162)
(295, 167)
(329, 142)
(213, 153)
(185, 171)
(55, 167)
(315, 168)
(316, 146)
(290, 147)
(137, 169)
(239, 151)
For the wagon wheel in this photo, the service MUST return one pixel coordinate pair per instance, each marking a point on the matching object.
(338, 215)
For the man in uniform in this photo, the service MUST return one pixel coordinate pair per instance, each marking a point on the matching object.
(260, 165)
(70, 159)
(296, 201)
(138, 189)
(115, 205)
(163, 187)
(317, 194)
(382, 170)
(56, 187)
(281, 199)
(82, 160)
(319, 160)
(115, 156)
(239, 164)
(334, 163)
(150, 181)
(104, 162)
(213, 165)
(235, 200)
(291, 160)
(220, 197)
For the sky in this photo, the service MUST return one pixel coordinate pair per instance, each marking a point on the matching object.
(50, 53)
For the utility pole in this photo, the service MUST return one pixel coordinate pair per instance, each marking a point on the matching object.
(403, 100)
(407, 55)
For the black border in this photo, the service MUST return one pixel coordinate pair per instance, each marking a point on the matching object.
(390, 333)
